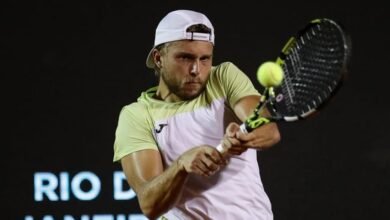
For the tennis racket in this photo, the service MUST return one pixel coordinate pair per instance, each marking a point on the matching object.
(314, 62)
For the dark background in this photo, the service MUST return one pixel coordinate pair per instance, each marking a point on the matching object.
(67, 69)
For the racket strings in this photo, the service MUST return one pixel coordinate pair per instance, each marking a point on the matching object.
(312, 68)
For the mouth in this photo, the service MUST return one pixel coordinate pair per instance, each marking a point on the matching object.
(192, 82)
(193, 85)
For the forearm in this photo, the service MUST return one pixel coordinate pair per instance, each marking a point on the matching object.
(159, 194)
(158, 189)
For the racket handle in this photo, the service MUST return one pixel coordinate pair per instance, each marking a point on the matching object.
(243, 128)
(223, 150)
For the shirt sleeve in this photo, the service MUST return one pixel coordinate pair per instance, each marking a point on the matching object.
(132, 132)
(236, 83)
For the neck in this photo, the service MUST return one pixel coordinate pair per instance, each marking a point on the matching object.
(163, 93)
(164, 97)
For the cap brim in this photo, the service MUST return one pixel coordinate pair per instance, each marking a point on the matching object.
(149, 60)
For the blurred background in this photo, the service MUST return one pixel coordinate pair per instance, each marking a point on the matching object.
(67, 69)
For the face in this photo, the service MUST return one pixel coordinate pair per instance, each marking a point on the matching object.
(185, 69)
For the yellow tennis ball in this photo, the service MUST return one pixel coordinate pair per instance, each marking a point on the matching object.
(270, 74)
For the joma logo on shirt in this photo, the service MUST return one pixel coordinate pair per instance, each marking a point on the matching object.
(160, 128)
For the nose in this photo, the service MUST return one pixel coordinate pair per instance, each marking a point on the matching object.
(195, 68)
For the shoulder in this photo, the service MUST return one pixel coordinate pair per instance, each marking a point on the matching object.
(131, 113)
(136, 111)
(226, 70)
(133, 107)
(225, 66)
(141, 105)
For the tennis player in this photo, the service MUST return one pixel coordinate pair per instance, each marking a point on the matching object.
(165, 141)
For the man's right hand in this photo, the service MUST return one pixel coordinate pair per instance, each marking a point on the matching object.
(203, 160)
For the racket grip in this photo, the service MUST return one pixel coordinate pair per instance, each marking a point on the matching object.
(243, 128)
(223, 150)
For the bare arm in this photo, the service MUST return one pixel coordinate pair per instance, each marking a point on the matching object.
(157, 189)
(143, 170)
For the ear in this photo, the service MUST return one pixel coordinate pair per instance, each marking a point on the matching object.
(157, 57)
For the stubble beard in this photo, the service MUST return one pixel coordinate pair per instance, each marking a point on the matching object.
(175, 88)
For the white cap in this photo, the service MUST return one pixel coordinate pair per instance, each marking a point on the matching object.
(173, 28)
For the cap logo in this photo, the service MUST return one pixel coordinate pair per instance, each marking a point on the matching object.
(198, 36)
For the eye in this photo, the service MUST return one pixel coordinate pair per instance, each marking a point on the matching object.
(205, 59)
(186, 57)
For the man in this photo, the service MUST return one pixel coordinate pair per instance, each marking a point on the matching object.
(166, 140)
